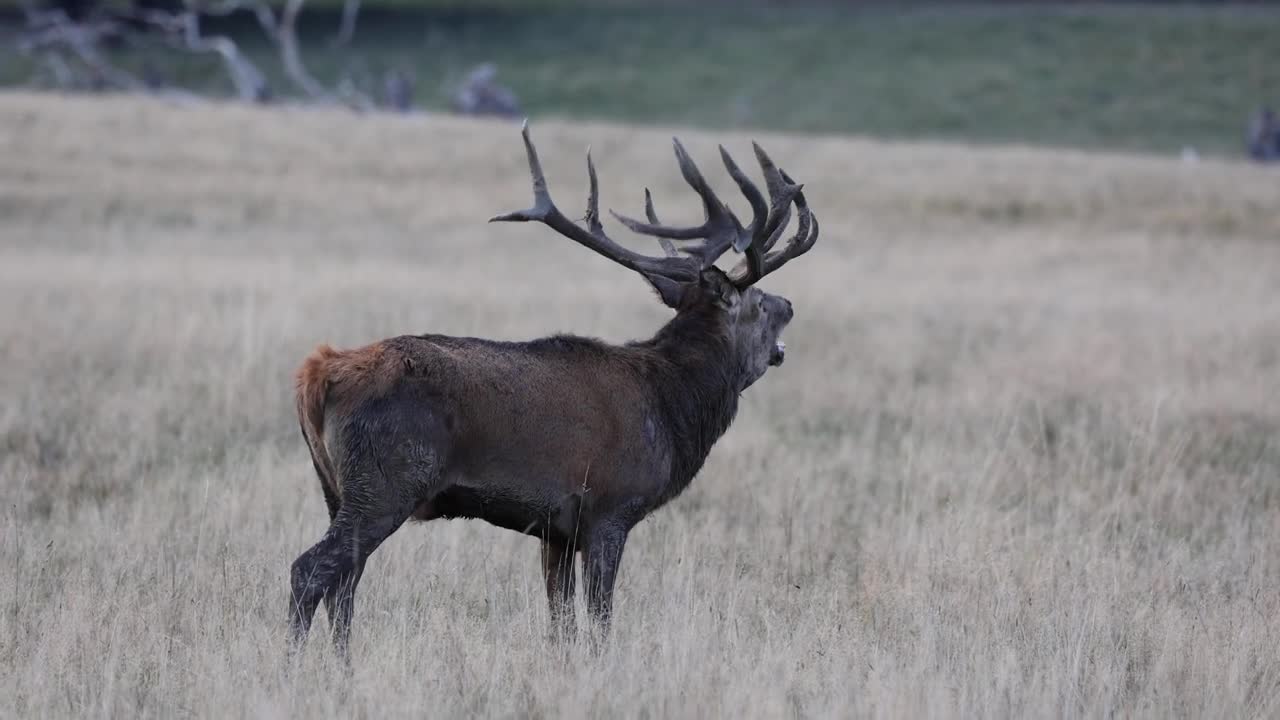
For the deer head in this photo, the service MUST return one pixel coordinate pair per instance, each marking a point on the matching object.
(685, 277)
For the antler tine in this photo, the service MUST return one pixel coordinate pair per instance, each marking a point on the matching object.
(759, 214)
(772, 176)
(786, 217)
(719, 232)
(783, 192)
(593, 197)
(799, 244)
(541, 198)
(668, 247)
(759, 208)
(592, 237)
(720, 219)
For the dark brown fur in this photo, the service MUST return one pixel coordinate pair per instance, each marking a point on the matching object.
(565, 438)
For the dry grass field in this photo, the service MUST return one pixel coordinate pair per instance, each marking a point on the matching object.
(1023, 459)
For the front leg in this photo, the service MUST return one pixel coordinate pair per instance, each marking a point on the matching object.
(558, 571)
(600, 570)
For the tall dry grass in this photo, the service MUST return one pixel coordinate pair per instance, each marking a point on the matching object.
(1022, 460)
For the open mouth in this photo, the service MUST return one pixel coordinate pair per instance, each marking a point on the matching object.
(778, 355)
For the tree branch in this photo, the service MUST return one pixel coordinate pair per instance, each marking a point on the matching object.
(347, 29)
(182, 31)
(50, 30)
(291, 57)
(51, 33)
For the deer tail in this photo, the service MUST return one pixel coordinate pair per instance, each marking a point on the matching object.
(313, 383)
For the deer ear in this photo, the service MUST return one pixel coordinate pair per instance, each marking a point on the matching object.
(669, 291)
(716, 285)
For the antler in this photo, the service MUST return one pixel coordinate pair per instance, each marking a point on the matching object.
(593, 237)
(721, 230)
(760, 261)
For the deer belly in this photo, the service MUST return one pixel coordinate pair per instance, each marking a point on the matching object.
(528, 515)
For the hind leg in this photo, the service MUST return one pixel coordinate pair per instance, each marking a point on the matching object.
(340, 604)
(331, 500)
(333, 504)
(332, 567)
(310, 576)
(389, 454)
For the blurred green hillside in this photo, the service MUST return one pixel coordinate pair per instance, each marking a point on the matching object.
(1139, 77)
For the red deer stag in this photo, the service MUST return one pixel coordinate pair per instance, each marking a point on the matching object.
(564, 438)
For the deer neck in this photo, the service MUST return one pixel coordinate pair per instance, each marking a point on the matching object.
(695, 377)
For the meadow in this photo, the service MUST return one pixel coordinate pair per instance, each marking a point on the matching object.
(1023, 459)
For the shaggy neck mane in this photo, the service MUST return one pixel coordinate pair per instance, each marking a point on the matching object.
(695, 378)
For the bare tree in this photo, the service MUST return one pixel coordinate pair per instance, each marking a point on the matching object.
(57, 38)
(182, 31)
(291, 57)
(347, 27)
(52, 34)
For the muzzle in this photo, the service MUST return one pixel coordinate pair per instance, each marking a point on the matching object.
(778, 355)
